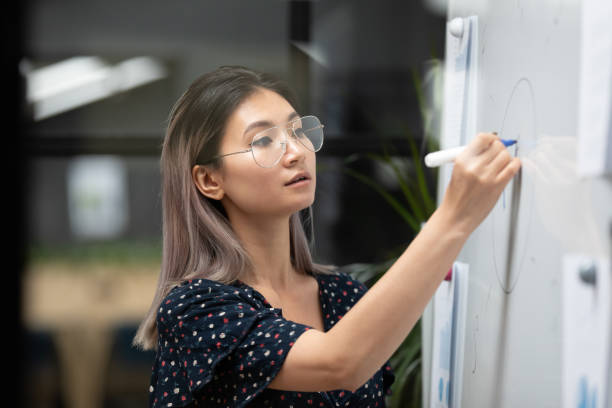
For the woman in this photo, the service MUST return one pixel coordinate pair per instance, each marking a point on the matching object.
(242, 315)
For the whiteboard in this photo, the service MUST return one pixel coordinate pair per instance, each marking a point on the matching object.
(528, 88)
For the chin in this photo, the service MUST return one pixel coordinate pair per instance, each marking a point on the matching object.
(309, 202)
(302, 205)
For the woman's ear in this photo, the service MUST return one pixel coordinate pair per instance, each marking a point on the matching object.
(207, 182)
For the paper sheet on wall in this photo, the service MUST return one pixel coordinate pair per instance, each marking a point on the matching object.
(460, 75)
(460, 297)
(441, 349)
(595, 97)
(586, 332)
(449, 316)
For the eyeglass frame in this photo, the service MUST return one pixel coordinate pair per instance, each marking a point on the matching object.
(287, 127)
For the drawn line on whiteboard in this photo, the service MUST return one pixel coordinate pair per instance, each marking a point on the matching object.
(483, 42)
(522, 94)
(475, 336)
(515, 155)
(514, 208)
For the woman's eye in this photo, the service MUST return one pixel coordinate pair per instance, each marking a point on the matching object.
(262, 142)
(299, 132)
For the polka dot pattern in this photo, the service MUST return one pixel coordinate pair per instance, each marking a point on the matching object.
(221, 345)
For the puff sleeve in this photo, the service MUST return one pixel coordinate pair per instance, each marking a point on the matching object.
(218, 346)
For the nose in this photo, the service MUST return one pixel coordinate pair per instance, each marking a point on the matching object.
(294, 149)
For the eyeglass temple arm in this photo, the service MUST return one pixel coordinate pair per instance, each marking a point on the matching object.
(223, 155)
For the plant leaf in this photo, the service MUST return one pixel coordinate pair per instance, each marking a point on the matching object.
(407, 190)
(412, 222)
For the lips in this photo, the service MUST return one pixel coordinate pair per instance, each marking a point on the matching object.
(298, 177)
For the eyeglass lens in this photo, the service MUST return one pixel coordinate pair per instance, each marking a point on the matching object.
(269, 145)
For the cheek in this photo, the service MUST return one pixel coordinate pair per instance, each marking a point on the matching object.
(312, 164)
(251, 188)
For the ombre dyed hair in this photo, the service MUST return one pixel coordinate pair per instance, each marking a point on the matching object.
(198, 239)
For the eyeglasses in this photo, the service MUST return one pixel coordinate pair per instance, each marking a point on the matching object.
(269, 146)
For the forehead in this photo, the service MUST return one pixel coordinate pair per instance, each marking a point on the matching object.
(262, 105)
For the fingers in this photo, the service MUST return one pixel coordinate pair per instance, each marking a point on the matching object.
(492, 152)
(483, 149)
(500, 158)
(490, 159)
(481, 142)
(509, 171)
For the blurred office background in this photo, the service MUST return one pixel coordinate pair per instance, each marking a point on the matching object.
(95, 81)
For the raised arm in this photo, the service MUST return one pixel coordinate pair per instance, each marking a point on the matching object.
(351, 352)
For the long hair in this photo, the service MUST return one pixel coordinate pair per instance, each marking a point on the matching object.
(198, 239)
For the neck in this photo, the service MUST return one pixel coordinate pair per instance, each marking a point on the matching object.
(267, 242)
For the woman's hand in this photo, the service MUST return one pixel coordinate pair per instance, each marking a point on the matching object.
(480, 174)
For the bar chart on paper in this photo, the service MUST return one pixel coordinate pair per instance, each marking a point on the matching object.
(449, 312)
(441, 364)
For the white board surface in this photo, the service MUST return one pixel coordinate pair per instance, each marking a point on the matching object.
(528, 89)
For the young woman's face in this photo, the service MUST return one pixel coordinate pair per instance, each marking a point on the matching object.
(255, 190)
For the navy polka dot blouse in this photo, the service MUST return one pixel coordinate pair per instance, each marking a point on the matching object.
(221, 345)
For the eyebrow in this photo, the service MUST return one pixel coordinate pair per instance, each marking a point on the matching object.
(267, 123)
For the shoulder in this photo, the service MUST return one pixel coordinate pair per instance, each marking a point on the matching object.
(189, 292)
(342, 280)
(341, 285)
(194, 298)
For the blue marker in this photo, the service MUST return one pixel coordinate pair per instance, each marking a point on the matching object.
(438, 158)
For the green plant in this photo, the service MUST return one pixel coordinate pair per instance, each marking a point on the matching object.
(120, 252)
(415, 205)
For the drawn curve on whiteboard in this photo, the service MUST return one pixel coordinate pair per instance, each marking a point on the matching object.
(511, 222)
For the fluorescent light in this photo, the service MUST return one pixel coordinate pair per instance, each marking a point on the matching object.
(78, 81)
